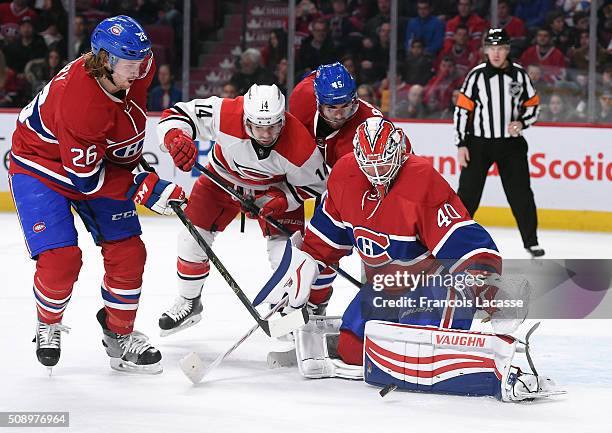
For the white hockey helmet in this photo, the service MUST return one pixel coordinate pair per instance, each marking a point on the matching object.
(264, 113)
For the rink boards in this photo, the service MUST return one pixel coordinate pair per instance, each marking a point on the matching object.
(571, 170)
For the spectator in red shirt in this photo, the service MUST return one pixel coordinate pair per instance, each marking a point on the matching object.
(439, 90)
(12, 13)
(547, 56)
(8, 85)
(460, 52)
(514, 26)
(473, 22)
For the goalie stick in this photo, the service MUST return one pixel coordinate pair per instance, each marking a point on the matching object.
(192, 365)
(251, 207)
(275, 328)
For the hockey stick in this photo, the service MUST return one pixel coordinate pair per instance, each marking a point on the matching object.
(276, 328)
(251, 207)
(192, 364)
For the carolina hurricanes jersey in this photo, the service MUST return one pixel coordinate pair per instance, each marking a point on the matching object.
(293, 164)
(79, 139)
(303, 105)
(420, 222)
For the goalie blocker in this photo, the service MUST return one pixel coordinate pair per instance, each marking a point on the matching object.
(424, 359)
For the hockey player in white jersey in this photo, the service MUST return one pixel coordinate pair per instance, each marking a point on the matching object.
(261, 150)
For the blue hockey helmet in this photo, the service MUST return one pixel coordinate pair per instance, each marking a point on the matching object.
(334, 85)
(122, 38)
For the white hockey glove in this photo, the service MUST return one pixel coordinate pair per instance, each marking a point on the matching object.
(293, 277)
(506, 300)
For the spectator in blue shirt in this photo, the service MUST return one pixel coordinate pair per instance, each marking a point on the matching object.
(165, 95)
(533, 12)
(425, 27)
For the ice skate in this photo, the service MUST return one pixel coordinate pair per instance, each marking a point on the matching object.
(535, 251)
(130, 352)
(182, 315)
(48, 343)
(526, 386)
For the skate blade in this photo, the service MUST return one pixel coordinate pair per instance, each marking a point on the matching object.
(187, 324)
(129, 367)
(282, 359)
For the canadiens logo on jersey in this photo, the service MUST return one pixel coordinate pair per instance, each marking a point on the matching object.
(372, 246)
(39, 227)
(126, 146)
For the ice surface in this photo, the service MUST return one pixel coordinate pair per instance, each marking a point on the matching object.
(242, 394)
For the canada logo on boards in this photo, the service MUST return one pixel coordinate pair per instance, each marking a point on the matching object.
(39, 227)
(372, 246)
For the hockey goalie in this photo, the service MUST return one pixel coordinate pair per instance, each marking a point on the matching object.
(396, 211)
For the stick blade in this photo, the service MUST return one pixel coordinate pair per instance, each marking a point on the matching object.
(193, 367)
(288, 323)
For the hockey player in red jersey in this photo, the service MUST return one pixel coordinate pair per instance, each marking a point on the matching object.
(75, 146)
(263, 152)
(398, 212)
(326, 103)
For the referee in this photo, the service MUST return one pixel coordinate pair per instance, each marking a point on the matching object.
(497, 101)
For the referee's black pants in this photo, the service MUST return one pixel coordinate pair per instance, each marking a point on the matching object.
(510, 154)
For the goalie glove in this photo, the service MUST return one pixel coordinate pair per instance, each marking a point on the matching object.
(293, 277)
(182, 148)
(506, 301)
(156, 194)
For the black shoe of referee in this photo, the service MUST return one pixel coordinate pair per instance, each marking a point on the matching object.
(535, 251)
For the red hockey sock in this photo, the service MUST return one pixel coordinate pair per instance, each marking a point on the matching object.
(56, 272)
(320, 295)
(350, 348)
(124, 264)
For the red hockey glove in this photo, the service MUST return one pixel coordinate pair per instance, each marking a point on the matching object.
(276, 206)
(156, 194)
(182, 148)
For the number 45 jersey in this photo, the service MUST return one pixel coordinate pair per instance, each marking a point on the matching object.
(80, 140)
(421, 217)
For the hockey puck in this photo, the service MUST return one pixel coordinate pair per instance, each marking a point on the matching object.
(387, 389)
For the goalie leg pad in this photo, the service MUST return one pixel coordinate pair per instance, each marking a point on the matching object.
(316, 345)
(429, 359)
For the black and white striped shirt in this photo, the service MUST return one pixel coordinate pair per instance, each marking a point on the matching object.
(491, 98)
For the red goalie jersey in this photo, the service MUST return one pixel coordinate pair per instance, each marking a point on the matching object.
(420, 218)
(334, 143)
(80, 140)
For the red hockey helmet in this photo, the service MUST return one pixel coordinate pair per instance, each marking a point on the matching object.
(380, 151)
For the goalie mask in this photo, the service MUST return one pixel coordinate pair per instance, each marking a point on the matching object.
(380, 151)
(264, 114)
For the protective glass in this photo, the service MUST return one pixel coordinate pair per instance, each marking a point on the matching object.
(337, 115)
(265, 135)
(133, 69)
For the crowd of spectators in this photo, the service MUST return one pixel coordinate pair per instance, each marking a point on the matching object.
(34, 42)
(439, 41)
